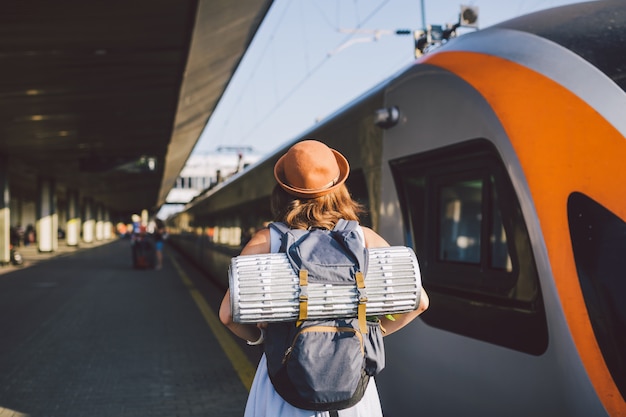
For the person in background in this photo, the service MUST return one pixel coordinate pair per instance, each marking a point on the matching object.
(159, 235)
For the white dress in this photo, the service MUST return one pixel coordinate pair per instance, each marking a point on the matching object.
(264, 401)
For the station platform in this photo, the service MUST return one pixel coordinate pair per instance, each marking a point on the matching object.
(82, 334)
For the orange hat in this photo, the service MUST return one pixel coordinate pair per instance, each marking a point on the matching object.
(310, 169)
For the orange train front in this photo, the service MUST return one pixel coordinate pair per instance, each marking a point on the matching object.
(540, 100)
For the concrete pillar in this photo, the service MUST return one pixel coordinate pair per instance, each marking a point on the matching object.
(72, 234)
(99, 222)
(5, 213)
(47, 222)
(108, 225)
(89, 222)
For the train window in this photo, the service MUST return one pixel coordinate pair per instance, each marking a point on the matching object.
(500, 257)
(459, 221)
(463, 218)
(461, 207)
(599, 244)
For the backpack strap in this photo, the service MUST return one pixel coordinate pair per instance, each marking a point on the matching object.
(303, 299)
(279, 226)
(362, 307)
(347, 225)
(282, 229)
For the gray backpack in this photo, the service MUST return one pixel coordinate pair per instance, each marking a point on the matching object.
(324, 364)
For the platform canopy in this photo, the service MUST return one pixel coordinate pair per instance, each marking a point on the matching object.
(109, 97)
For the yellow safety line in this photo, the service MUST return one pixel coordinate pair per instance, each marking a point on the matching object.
(6, 412)
(239, 360)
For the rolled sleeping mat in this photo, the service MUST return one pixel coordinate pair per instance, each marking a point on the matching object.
(265, 288)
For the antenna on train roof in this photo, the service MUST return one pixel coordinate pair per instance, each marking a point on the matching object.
(425, 39)
(434, 35)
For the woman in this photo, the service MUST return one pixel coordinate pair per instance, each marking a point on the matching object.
(159, 242)
(310, 193)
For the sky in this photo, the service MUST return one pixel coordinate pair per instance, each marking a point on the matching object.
(310, 58)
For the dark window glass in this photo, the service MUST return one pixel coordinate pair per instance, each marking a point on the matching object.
(463, 218)
(461, 223)
(599, 245)
(460, 219)
(500, 258)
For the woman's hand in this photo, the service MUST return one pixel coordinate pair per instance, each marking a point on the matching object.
(401, 320)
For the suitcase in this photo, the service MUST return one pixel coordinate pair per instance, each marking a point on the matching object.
(143, 254)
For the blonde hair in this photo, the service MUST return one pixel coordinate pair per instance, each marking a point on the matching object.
(324, 211)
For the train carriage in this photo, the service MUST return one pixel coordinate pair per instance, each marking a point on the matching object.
(501, 162)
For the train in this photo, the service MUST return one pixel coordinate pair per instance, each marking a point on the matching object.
(500, 158)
